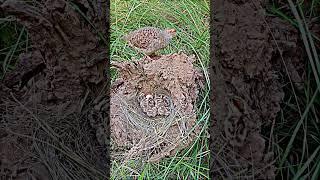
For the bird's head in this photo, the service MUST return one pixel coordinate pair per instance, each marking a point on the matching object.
(171, 32)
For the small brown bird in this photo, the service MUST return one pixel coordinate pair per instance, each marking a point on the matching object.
(148, 40)
(153, 105)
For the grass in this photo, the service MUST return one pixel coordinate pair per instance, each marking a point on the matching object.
(13, 41)
(191, 20)
(297, 134)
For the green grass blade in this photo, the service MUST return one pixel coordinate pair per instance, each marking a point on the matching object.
(8, 59)
(316, 172)
(305, 166)
(305, 41)
(294, 134)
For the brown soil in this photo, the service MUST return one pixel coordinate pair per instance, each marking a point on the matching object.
(49, 101)
(153, 107)
(247, 90)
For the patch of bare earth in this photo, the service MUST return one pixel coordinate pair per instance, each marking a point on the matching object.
(54, 104)
(153, 107)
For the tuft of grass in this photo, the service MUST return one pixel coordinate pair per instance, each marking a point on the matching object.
(191, 20)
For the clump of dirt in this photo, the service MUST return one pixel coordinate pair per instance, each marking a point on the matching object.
(56, 92)
(153, 107)
(247, 90)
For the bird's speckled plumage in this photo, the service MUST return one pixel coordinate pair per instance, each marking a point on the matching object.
(159, 104)
(148, 40)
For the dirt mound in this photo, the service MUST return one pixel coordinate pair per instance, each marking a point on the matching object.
(153, 107)
(49, 101)
(247, 90)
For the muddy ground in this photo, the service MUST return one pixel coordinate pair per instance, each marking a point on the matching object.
(54, 105)
(250, 51)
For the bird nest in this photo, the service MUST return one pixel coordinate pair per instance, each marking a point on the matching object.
(153, 107)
